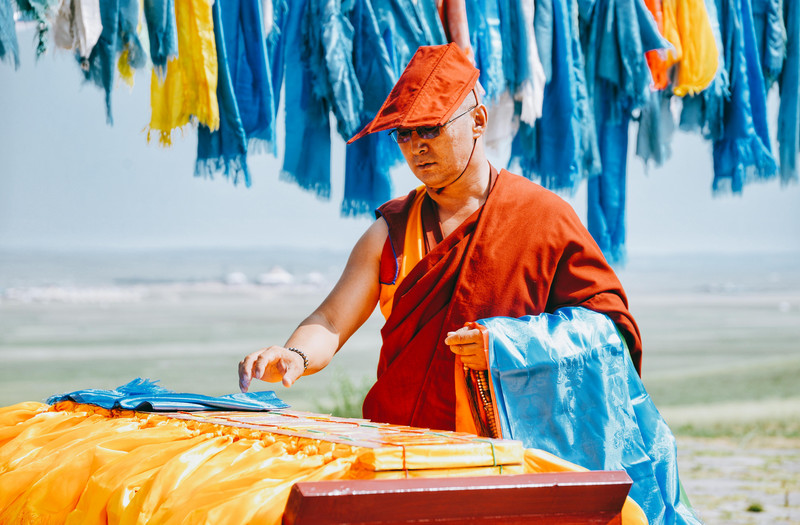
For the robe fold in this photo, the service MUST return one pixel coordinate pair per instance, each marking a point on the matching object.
(524, 252)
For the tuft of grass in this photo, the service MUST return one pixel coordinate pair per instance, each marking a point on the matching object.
(755, 507)
(345, 396)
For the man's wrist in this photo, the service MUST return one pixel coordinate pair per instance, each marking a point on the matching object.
(301, 354)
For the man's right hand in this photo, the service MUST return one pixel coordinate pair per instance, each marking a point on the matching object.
(272, 364)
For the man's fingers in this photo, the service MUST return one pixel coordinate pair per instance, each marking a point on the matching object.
(245, 369)
(463, 336)
(270, 364)
(292, 372)
(466, 349)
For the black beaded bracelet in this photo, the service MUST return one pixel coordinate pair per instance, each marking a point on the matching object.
(301, 354)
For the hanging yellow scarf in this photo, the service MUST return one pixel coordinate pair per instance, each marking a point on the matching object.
(688, 28)
(190, 86)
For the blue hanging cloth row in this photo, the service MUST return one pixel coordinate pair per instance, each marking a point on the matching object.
(565, 79)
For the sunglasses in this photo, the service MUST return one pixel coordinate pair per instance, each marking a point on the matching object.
(403, 135)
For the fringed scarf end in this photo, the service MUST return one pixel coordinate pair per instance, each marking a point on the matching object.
(321, 189)
(356, 208)
(260, 146)
(233, 168)
(738, 162)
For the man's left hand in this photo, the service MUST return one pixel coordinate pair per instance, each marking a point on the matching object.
(468, 343)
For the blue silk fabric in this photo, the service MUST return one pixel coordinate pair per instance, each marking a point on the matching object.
(145, 395)
(564, 383)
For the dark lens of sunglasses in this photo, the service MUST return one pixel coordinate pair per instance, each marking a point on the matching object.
(430, 132)
(402, 135)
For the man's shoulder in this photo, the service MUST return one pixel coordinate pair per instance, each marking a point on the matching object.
(524, 192)
(396, 205)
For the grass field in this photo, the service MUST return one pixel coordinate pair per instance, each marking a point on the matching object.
(721, 362)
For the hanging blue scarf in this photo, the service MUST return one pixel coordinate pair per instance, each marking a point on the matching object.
(656, 127)
(275, 48)
(743, 152)
(483, 18)
(367, 182)
(386, 35)
(704, 111)
(770, 37)
(38, 11)
(162, 32)
(244, 91)
(618, 80)
(307, 157)
(224, 149)
(789, 113)
(564, 383)
(561, 149)
(328, 46)
(9, 48)
(120, 19)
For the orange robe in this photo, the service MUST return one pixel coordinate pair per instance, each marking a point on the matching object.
(524, 252)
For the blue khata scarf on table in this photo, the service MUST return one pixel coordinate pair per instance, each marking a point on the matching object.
(564, 383)
(244, 91)
(559, 151)
(770, 37)
(162, 32)
(146, 396)
(743, 152)
(307, 120)
(704, 111)
(618, 80)
(9, 47)
(368, 160)
(120, 19)
(789, 82)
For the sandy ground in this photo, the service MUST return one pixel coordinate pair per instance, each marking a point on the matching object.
(728, 481)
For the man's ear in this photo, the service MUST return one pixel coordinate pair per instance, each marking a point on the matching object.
(479, 121)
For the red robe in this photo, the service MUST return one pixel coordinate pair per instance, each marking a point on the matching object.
(524, 252)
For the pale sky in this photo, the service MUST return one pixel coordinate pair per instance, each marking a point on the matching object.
(70, 181)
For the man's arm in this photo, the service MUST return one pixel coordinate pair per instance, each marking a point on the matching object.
(321, 334)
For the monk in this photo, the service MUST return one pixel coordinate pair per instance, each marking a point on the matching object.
(469, 243)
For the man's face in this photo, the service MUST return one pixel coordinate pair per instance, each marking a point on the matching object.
(438, 161)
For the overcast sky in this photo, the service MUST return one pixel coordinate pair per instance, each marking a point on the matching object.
(69, 181)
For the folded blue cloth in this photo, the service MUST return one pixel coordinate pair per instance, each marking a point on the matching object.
(564, 383)
(146, 396)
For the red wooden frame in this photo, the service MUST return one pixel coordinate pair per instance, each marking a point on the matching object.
(594, 497)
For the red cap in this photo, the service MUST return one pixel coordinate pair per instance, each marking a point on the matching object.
(434, 84)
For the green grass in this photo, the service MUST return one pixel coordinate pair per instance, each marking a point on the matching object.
(777, 378)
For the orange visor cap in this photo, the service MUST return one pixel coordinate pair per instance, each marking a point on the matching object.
(434, 84)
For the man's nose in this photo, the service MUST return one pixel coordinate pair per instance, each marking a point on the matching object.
(418, 144)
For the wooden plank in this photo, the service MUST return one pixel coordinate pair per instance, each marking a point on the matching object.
(594, 497)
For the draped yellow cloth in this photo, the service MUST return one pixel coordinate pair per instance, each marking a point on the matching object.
(77, 464)
(687, 27)
(190, 86)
